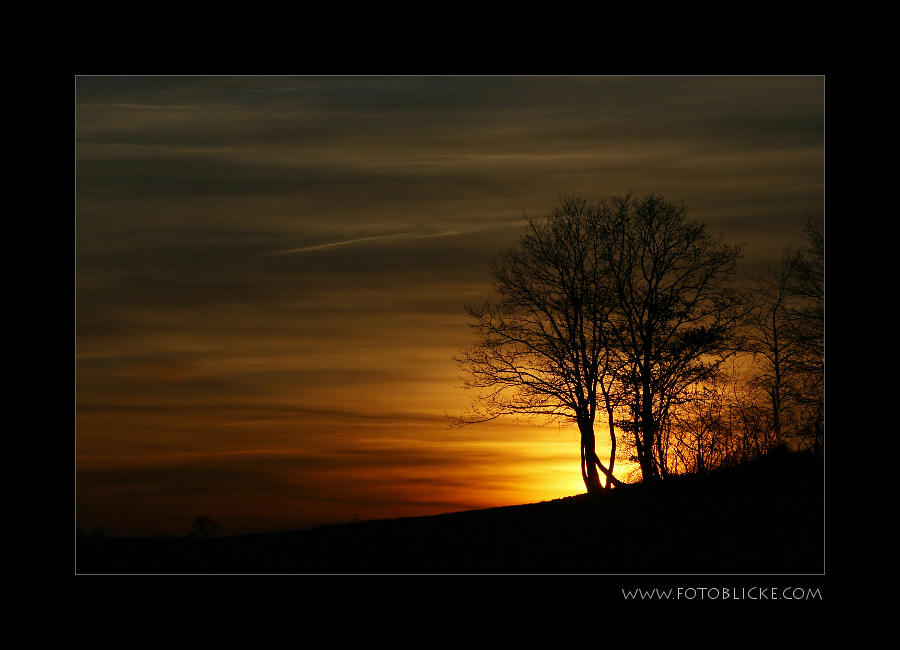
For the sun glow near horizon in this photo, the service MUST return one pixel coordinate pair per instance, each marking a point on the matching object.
(308, 471)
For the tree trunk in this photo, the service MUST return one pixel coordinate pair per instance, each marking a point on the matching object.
(776, 389)
(612, 441)
(649, 470)
(590, 462)
(589, 472)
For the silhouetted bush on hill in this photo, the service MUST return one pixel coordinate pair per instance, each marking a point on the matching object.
(763, 517)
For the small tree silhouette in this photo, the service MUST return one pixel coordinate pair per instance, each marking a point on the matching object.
(204, 526)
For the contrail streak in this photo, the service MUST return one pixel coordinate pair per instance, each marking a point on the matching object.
(345, 243)
(420, 233)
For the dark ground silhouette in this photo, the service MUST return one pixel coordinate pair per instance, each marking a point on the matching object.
(765, 517)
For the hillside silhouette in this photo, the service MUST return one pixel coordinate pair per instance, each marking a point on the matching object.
(762, 517)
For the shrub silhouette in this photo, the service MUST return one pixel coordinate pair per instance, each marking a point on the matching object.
(204, 526)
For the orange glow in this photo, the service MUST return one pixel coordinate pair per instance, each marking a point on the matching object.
(304, 471)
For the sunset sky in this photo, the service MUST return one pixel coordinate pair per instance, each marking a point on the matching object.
(271, 271)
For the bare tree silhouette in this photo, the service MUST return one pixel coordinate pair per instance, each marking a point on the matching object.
(543, 347)
(772, 327)
(599, 306)
(676, 313)
(786, 335)
(811, 327)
